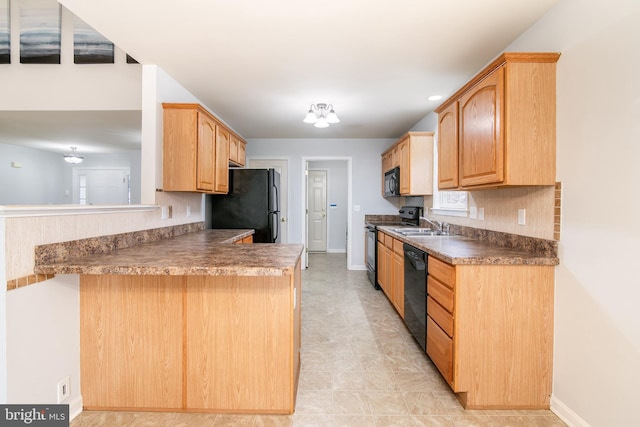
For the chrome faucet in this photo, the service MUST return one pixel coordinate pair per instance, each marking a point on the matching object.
(440, 227)
(437, 225)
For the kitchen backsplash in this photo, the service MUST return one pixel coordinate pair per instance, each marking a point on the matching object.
(542, 206)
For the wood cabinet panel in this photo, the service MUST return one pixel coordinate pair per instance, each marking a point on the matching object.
(398, 282)
(504, 335)
(505, 126)
(413, 153)
(383, 265)
(131, 341)
(498, 320)
(391, 270)
(236, 356)
(184, 343)
(445, 273)
(197, 150)
(221, 181)
(440, 350)
(448, 147)
(442, 317)
(242, 153)
(205, 153)
(441, 293)
(180, 148)
(481, 137)
(237, 151)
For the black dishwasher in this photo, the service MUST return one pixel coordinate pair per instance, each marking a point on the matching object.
(415, 293)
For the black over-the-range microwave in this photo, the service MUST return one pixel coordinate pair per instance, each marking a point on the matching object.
(392, 182)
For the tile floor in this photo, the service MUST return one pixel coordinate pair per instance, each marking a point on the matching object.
(360, 367)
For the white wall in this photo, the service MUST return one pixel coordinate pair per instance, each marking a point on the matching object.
(41, 180)
(597, 326)
(43, 323)
(67, 86)
(337, 195)
(366, 171)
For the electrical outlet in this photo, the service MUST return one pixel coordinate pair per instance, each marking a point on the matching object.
(473, 212)
(481, 214)
(63, 389)
(188, 211)
(522, 216)
(165, 212)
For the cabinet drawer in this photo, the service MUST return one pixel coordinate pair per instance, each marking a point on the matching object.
(381, 237)
(397, 247)
(388, 241)
(442, 271)
(440, 293)
(440, 350)
(442, 317)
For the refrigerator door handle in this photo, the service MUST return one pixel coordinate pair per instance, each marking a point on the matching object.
(275, 222)
(277, 209)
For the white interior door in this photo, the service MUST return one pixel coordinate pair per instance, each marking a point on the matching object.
(282, 166)
(317, 218)
(101, 186)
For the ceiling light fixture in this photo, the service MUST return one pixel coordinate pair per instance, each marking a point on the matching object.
(321, 115)
(73, 157)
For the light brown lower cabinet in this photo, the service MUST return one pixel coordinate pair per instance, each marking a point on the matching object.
(190, 343)
(490, 332)
(390, 270)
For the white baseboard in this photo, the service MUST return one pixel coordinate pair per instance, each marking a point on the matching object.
(357, 267)
(566, 414)
(75, 407)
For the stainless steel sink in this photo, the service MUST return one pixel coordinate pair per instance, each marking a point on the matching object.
(411, 231)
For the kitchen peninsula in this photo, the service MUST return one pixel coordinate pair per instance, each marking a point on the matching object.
(189, 323)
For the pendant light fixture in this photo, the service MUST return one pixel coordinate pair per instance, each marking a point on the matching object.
(321, 115)
(73, 157)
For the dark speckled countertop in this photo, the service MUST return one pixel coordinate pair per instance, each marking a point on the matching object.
(468, 250)
(207, 252)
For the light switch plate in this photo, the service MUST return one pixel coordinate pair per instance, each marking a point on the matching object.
(481, 214)
(522, 216)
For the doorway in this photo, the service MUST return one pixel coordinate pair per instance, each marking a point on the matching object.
(282, 166)
(327, 185)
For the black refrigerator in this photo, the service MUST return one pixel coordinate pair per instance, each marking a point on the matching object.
(253, 201)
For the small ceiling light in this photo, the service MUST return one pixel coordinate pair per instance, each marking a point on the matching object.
(321, 115)
(73, 157)
(434, 98)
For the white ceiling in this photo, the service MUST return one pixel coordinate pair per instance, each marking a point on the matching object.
(260, 64)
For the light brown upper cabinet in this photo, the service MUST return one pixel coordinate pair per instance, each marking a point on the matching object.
(413, 153)
(196, 150)
(500, 128)
(221, 173)
(237, 151)
(448, 147)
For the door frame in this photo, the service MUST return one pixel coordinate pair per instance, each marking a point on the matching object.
(304, 167)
